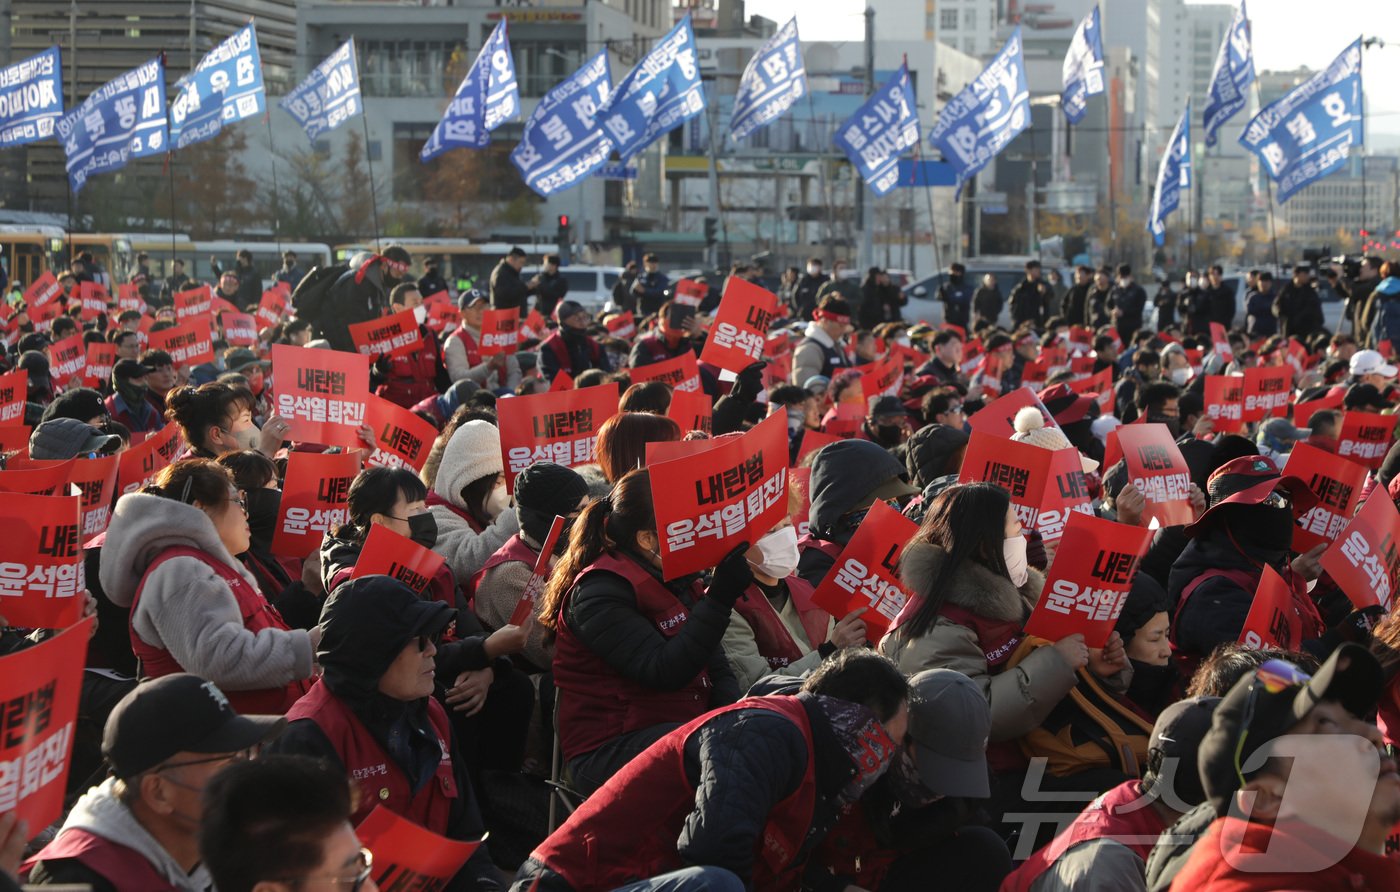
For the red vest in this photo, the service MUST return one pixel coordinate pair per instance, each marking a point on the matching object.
(513, 551)
(469, 344)
(435, 499)
(156, 662)
(380, 780)
(555, 344)
(771, 633)
(125, 868)
(627, 830)
(413, 377)
(599, 704)
(1111, 816)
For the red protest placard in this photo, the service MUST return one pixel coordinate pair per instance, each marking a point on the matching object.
(97, 370)
(407, 856)
(1100, 385)
(221, 305)
(681, 372)
(403, 440)
(1158, 470)
(394, 335)
(272, 307)
(314, 498)
(690, 293)
(1364, 559)
(94, 300)
(525, 607)
(533, 328)
(321, 393)
(1046, 487)
(40, 478)
(189, 343)
(67, 358)
(800, 483)
(710, 502)
(1224, 402)
(1337, 484)
(1088, 582)
(1303, 412)
(40, 686)
(622, 325)
(240, 329)
(15, 436)
(14, 387)
(866, 574)
(500, 331)
(41, 576)
(883, 377)
(139, 464)
(284, 288)
(1221, 340)
(1365, 437)
(442, 316)
(560, 426)
(562, 381)
(692, 411)
(1266, 391)
(197, 301)
(43, 316)
(996, 417)
(43, 291)
(386, 553)
(96, 480)
(129, 298)
(740, 329)
(1272, 619)
(811, 442)
(669, 450)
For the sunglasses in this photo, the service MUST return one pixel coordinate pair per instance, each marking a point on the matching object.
(1274, 676)
(1277, 499)
(424, 640)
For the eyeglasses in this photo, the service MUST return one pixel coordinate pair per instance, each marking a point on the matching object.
(1274, 676)
(1278, 499)
(364, 862)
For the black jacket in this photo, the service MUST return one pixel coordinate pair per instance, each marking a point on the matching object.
(353, 298)
(549, 292)
(603, 613)
(1299, 310)
(1130, 301)
(622, 294)
(1096, 308)
(804, 296)
(1221, 304)
(507, 289)
(1072, 306)
(987, 303)
(956, 298)
(1028, 302)
(650, 289)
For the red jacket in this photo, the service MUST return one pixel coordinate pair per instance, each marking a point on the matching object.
(627, 830)
(1294, 856)
(125, 868)
(1122, 814)
(257, 615)
(599, 704)
(381, 780)
(414, 377)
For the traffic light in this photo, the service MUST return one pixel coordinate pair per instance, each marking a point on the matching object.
(711, 230)
(564, 239)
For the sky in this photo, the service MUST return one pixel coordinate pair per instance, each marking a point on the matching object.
(1287, 34)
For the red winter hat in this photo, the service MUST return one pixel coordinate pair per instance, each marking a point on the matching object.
(1249, 480)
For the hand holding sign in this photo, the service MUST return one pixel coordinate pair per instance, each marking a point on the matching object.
(866, 573)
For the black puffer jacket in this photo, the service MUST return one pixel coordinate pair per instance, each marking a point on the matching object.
(602, 613)
(357, 296)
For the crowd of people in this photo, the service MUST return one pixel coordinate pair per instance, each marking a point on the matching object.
(248, 709)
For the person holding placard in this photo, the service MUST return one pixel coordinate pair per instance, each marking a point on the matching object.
(408, 379)
(847, 478)
(635, 657)
(215, 418)
(462, 349)
(169, 556)
(570, 348)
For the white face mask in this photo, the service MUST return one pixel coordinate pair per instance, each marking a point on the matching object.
(814, 270)
(779, 549)
(420, 314)
(1181, 376)
(247, 439)
(1013, 550)
(496, 502)
(903, 341)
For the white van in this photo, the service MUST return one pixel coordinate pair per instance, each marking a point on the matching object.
(591, 286)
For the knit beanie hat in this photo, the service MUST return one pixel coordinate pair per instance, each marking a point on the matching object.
(473, 452)
(1145, 600)
(83, 404)
(544, 490)
(1030, 428)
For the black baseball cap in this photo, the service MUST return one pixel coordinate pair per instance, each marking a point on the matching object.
(1177, 734)
(178, 713)
(1268, 702)
(888, 405)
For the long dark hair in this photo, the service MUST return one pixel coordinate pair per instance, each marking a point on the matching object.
(475, 493)
(969, 523)
(606, 524)
(623, 439)
(376, 491)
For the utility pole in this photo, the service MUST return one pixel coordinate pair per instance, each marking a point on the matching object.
(864, 205)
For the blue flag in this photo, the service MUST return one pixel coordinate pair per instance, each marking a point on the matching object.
(1234, 72)
(486, 98)
(1083, 67)
(124, 119)
(880, 130)
(773, 81)
(226, 86)
(659, 94)
(329, 96)
(562, 142)
(1310, 132)
(31, 98)
(1173, 175)
(986, 114)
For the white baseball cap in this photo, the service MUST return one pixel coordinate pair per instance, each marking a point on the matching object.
(1369, 362)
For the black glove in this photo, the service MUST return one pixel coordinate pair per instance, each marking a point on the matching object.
(732, 577)
(749, 383)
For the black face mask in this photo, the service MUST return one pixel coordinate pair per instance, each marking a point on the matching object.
(1263, 533)
(888, 435)
(422, 528)
(1151, 687)
(1172, 422)
(263, 505)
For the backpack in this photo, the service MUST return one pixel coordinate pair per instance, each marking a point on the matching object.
(1090, 728)
(309, 297)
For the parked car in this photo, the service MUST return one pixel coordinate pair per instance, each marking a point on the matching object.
(591, 286)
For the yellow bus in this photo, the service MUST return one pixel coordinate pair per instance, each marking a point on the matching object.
(112, 251)
(27, 251)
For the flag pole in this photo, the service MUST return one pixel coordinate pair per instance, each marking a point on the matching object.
(276, 192)
(1268, 188)
(373, 193)
(1112, 200)
(928, 193)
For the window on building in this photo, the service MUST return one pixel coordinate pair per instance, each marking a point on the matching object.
(542, 64)
(948, 19)
(969, 18)
(405, 67)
